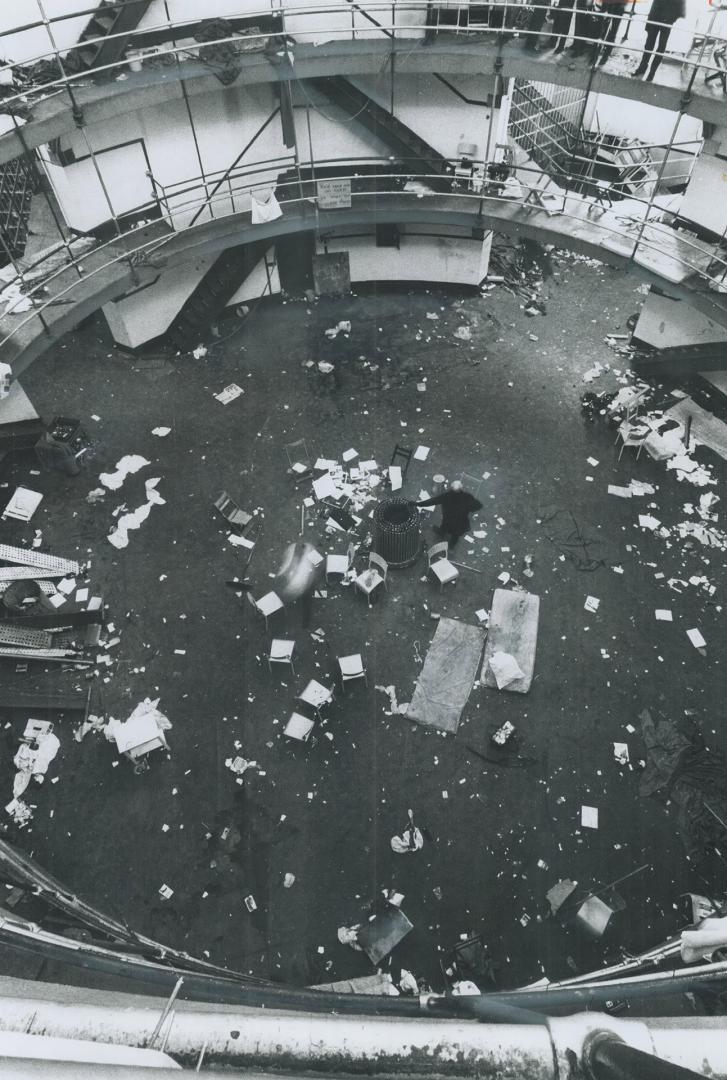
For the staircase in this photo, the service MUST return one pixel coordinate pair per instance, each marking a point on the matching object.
(111, 17)
(211, 295)
(542, 129)
(418, 157)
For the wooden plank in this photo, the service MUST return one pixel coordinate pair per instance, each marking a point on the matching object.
(513, 629)
(707, 428)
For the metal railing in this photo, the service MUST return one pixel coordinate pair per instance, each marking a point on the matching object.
(654, 239)
(393, 21)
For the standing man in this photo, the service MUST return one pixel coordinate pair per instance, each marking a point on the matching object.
(457, 505)
(662, 16)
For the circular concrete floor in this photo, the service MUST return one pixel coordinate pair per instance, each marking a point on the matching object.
(506, 404)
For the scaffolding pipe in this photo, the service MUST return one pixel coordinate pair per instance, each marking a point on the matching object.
(611, 1059)
(294, 1043)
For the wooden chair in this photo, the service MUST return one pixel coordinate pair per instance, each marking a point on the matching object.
(401, 458)
(267, 605)
(439, 564)
(316, 695)
(351, 667)
(299, 727)
(374, 575)
(300, 465)
(281, 652)
(340, 564)
(632, 433)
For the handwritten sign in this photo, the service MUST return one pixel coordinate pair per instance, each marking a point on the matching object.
(334, 194)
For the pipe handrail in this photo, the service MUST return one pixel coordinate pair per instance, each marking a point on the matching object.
(156, 245)
(193, 183)
(179, 52)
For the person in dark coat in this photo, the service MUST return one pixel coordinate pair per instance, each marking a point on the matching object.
(457, 505)
(662, 16)
(611, 12)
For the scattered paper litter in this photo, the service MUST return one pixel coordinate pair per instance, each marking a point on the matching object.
(622, 492)
(229, 393)
(589, 817)
(162, 432)
(421, 453)
(505, 668)
(119, 536)
(129, 464)
(592, 603)
(621, 752)
(664, 615)
(696, 639)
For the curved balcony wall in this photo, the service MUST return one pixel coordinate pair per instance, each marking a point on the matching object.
(199, 156)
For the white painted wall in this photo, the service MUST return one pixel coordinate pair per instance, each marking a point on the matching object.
(434, 111)
(638, 120)
(28, 45)
(148, 313)
(455, 259)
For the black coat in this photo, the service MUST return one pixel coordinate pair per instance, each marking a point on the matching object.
(456, 509)
(667, 11)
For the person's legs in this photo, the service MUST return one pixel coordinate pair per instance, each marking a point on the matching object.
(583, 28)
(306, 608)
(663, 39)
(562, 16)
(535, 25)
(652, 32)
(609, 37)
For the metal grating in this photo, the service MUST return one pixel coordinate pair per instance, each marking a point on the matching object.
(18, 183)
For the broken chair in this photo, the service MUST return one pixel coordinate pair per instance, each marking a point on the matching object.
(233, 514)
(300, 465)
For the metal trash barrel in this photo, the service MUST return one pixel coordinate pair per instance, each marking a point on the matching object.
(396, 532)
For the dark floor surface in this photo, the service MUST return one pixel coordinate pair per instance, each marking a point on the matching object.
(502, 404)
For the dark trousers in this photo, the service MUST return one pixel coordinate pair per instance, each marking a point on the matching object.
(657, 38)
(562, 18)
(608, 37)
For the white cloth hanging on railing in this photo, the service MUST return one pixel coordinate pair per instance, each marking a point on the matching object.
(265, 207)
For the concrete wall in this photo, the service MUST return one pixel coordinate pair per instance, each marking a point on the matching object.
(454, 259)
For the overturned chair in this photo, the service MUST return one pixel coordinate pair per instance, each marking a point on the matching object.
(233, 514)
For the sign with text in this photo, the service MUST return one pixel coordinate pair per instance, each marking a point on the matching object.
(334, 194)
